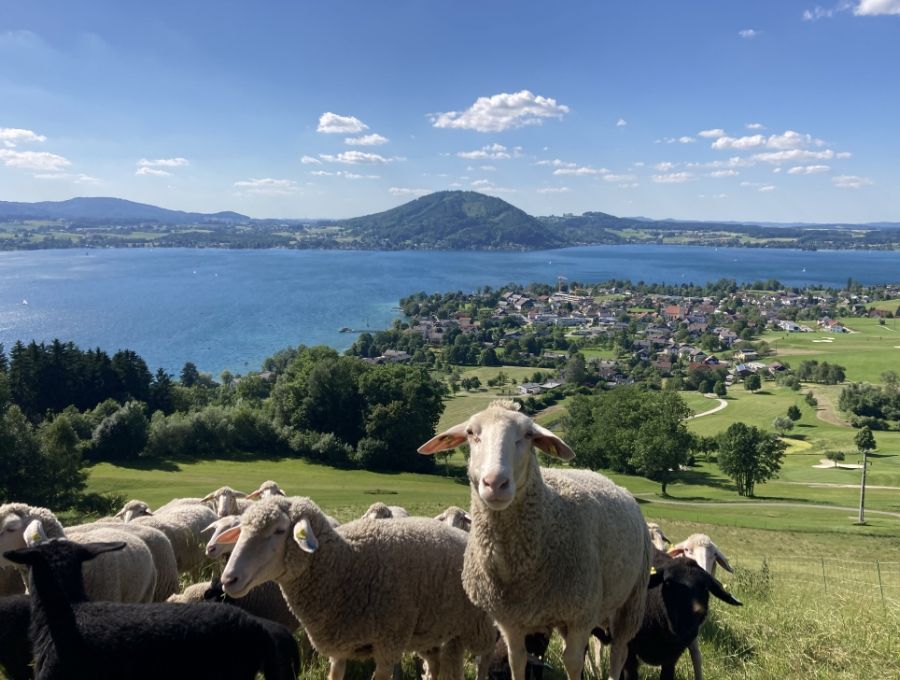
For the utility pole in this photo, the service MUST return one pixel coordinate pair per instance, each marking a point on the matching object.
(862, 490)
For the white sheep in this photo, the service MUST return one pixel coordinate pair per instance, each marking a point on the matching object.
(456, 517)
(228, 501)
(128, 575)
(266, 490)
(566, 549)
(379, 510)
(368, 588)
(701, 549)
(657, 537)
(182, 525)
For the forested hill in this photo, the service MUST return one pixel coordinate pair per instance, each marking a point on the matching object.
(103, 210)
(454, 220)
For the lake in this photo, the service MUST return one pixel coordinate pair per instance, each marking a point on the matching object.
(229, 309)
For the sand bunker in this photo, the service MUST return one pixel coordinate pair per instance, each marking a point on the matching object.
(825, 463)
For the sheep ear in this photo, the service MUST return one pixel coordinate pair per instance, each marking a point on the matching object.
(719, 591)
(676, 551)
(21, 556)
(722, 561)
(95, 549)
(239, 494)
(664, 537)
(34, 533)
(305, 537)
(253, 495)
(208, 497)
(446, 440)
(121, 513)
(549, 443)
(227, 537)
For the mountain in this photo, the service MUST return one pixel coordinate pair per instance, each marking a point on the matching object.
(454, 220)
(109, 210)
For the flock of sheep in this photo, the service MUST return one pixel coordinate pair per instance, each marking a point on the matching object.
(540, 549)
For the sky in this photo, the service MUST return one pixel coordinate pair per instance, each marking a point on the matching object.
(765, 110)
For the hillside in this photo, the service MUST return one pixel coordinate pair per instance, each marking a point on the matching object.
(104, 210)
(464, 220)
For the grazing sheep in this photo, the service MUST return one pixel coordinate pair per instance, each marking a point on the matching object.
(15, 647)
(677, 604)
(186, 501)
(368, 588)
(456, 517)
(127, 576)
(381, 511)
(657, 537)
(160, 547)
(701, 549)
(215, 549)
(182, 525)
(566, 549)
(228, 501)
(76, 638)
(266, 490)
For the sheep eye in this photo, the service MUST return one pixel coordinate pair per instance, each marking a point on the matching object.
(529, 435)
(280, 532)
(470, 432)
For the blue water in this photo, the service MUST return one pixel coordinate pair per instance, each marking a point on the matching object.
(231, 309)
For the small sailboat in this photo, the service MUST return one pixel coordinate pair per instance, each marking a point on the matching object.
(24, 301)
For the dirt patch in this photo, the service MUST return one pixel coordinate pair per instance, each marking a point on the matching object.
(826, 410)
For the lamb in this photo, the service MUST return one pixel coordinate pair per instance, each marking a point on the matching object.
(368, 588)
(127, 576)
(182, 525)
(160, 547)
(228, 501)
(15, 647)
(571, 536)
(677, 604)
(266, 490)
(456, 517)
(76, 638)
(657, 537)
(381, 511)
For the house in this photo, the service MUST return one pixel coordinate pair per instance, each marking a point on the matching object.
(395, 356)
(530, 388)
(789, 326)
(745, 355)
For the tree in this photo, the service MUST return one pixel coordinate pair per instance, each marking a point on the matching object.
(793, 412)
(835, 456)
(575, 372)
(470, 383)
(810, 399)
(749, 456)
(189, 375)
(782, 424)
(753, 382)
(122, 434)
(719, 389)
(865, 442)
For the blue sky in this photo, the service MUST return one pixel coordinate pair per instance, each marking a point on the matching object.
(776, 110)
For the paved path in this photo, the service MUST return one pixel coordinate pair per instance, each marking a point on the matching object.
(722, 404)
(653, 498)
(844, 486)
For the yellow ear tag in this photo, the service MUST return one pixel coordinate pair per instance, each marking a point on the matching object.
(299, 533)
(36, 537)
(652, 570)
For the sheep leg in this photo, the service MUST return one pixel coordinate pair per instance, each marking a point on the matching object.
(515, 646)
(452, 661)
(595, 649)
(618, 655)
(337, 668)
(432, 664)
(384, 667)
(573, 655)
(696, 659)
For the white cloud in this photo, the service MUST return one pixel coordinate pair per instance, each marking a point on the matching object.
(494, 152)
(748, 33)
(366, 140)
(724, 173)
(342, 173)
(712, 195)
(665, 166)
(322, 173)
(684, 139)
(356, 158)
(80, 178)
(267, 186)
(851, 182)
(793, 156)
(310, 160)
(488, 187)
(146, 171)
(502, 112)
(621, 122)
(408, 192)
(875, 7)
(673, 178)
(620, 178)
(639, 164)
(739, 143)
(34, 160)
(808, 169)
(843, 154)
(818, 13)
(163, 163)
(629, 185)
(766, 188)
(12, 136)
(487, 168)
(789, 139)
(557, 163)
(333, 124)
(554, 190)
(580, 170)
(755, 126)
(716, 132)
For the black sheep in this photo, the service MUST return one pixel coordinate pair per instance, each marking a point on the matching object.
(15, 647)
(677, 604)
(76, 639)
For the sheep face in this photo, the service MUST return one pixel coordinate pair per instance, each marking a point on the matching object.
(378, 511)
(134, 509)
(500, 441)
(225, 500)
(657, 536)
(701, 549)
(456, 518)
(12, 535)
(267, 489)
(259, 553)
(215, 547)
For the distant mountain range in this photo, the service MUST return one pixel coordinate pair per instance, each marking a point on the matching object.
(445, 220)
(109, 210)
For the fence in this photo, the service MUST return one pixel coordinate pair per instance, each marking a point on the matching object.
(872, 581)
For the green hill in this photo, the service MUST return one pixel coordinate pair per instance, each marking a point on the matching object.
(454, 220)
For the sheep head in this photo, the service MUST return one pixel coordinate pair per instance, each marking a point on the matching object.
(701, 549)
(12, 532)
(266, 490)
(456, 518)
(378, 511)
(225, 499)
(216, 547)
(134, 509)
(501, 457)
(270, 533)
(657, 537)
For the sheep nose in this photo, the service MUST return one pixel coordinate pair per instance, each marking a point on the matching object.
(496, 482)
(229, 579)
